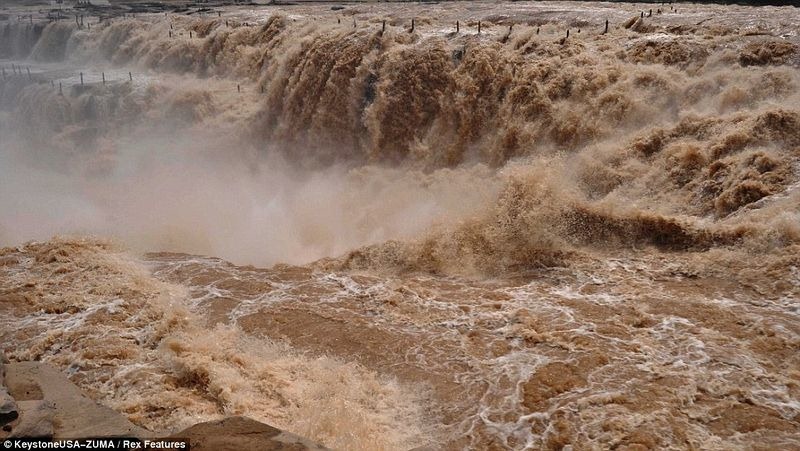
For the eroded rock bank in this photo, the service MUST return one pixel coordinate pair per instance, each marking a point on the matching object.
(38, 401)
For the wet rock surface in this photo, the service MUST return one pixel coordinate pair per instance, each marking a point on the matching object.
(52, 406)
(238, 433)
(38, 401)
(36, 420)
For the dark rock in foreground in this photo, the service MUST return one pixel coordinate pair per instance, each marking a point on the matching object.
(37, 420)
(8, 408)
(45, 396)
(239, 433)
(38, 401)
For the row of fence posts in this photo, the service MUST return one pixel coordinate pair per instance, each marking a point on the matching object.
(17, 70)
(411, 30)
(479, 26)
(458, 26)
(79, 21)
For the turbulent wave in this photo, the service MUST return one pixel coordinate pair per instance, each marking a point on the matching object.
(133, 342)
(600, 192)
(656, 138)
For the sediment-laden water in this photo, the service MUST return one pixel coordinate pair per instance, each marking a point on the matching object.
(386, 239)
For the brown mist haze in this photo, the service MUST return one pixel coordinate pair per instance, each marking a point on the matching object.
(685, 139)
(511, 240)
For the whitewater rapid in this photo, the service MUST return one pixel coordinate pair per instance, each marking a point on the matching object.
(385, 239)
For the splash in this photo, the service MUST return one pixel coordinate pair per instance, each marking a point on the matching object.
(133, 341)
(537, 239)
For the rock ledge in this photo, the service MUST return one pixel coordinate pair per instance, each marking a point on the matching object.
(38, 401)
